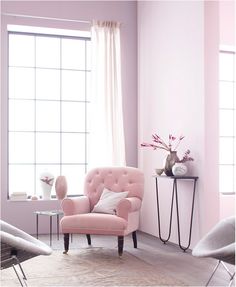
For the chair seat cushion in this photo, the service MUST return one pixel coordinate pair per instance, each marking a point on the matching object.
(94, 223)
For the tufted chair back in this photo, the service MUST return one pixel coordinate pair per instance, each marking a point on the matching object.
(116, 179)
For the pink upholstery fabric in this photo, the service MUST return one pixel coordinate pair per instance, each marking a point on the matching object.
(94, 223)
(71, 206)
(78, 217)
(113, 178)
(128, 205)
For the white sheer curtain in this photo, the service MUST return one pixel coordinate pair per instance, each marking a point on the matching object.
(107, 144)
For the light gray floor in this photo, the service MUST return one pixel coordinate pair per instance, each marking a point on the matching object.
(191, 270)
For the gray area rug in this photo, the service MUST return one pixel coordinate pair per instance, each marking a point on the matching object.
(89, 267)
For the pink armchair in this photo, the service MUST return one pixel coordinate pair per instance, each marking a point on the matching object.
(80, 218)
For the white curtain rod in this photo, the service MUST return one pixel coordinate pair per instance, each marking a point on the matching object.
(46, 18)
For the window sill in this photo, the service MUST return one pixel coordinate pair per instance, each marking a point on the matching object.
(30, 200)
(52, 199)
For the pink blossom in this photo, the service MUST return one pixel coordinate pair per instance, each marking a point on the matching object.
(160, 144)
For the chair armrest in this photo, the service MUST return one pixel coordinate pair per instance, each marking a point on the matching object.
(127, 205)
(78, 205)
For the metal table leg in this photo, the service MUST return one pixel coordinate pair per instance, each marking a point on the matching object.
(50, 230)
(57, 226)
(177, 213)
(158, 214)
(37, 226)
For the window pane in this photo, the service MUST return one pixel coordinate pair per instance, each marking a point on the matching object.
(53, 169)
(234, 178)
(47, 52)
(235, 91)
(73, 117)
(21, 178)
(21, 50)
(73, 54)
(226, 95)
(73, 148)
(21, 83)
(47, 116)
(226, 151)
(226, 123)
(88, 123)
(75, 178)
(88, 54)
(21, 147)
(226, 178)
(73, 85)
(88, 86)
(48, 148)
(226, 66)
(21, 115)
(48, 84)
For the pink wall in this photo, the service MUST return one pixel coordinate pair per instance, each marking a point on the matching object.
(211, 134)
(177, 86)
(21, 213)
(227, 22)
(227, 38)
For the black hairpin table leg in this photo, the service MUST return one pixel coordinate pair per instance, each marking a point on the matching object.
(191, 217)
(175, 195)
(158, 214)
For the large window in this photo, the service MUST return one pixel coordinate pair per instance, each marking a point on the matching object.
(227, 121)
(49, 81)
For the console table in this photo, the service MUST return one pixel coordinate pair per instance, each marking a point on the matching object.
(175, 179)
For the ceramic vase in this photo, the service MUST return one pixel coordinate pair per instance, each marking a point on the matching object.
(179, 169)
(46, 180)
(171, 159)
(61, 187)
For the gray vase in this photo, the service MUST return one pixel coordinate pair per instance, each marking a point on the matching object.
(171, 159)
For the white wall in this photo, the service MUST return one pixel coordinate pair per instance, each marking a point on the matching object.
(21, 213)
(173, 99)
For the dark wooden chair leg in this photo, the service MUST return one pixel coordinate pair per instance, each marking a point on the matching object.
(134, 236)
(120, 245)
(88, 239)
(66, 242)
